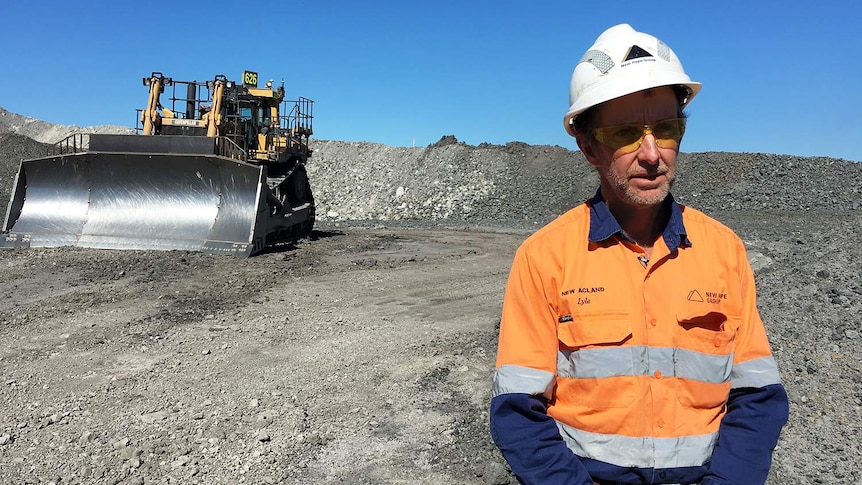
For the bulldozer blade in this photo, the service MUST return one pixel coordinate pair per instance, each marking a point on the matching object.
(144, 201)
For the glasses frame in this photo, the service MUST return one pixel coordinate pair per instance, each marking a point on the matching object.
(603, 134)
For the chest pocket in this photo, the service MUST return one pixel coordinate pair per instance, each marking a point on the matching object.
(712, 332)
(706, 371)
(594, 365)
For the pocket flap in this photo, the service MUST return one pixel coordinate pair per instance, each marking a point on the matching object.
(595, 329)
(714, 327)
(712, 321)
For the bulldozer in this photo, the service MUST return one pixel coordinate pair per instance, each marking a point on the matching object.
(221, 171)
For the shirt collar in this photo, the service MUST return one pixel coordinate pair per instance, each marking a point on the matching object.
(603, 224)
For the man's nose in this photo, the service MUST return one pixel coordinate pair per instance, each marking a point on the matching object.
(648, 151)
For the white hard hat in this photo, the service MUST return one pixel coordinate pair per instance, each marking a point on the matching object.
(623, 61)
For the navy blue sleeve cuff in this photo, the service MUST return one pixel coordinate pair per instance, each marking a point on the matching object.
(530, 441)
(748, 435)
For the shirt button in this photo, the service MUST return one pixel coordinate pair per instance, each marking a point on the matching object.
(662, 475)
(652, 322)
(657, 374)
(717, 343)
(660, 423)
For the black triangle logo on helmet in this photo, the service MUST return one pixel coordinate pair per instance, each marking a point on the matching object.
(635, 52)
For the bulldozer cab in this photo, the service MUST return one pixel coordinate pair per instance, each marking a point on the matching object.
(259, 121)
(249, 126)
(254, 125)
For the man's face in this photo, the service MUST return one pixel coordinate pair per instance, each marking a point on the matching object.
(643, 177)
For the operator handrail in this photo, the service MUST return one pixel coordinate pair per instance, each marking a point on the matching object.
(74, 143)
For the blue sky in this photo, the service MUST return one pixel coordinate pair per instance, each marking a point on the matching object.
(779, 76)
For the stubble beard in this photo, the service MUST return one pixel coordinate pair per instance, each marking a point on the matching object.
(622, 184)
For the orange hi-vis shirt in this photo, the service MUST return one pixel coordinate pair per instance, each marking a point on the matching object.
(636, 357)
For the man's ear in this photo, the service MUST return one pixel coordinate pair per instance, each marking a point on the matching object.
(588, 148)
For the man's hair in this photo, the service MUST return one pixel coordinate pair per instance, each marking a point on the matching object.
(585, 122)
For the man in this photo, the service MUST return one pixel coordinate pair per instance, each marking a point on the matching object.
(631, 350)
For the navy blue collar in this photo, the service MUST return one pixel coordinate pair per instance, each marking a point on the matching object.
(604, 225)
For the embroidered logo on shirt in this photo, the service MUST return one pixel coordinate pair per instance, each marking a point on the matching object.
(694, 295)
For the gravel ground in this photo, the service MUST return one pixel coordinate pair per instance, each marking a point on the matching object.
(363, 355)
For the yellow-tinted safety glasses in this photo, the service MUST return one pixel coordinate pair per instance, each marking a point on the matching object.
(628, 138)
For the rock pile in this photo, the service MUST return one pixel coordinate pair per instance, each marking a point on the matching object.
(524, 186)
(50, 133)
(515, 185)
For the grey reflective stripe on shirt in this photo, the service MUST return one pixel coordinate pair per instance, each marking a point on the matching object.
(640, 452)
(755, 373)
(510, 379)
(643, 360)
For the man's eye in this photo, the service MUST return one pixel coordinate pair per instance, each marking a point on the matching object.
(625, 133)
(667, 129)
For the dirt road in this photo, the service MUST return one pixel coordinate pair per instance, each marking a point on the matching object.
(359, 357)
